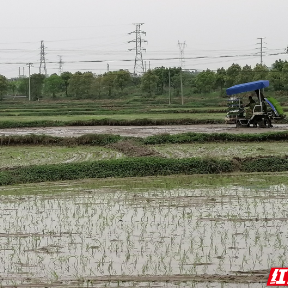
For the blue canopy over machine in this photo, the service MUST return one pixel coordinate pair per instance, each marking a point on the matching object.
(247, 87)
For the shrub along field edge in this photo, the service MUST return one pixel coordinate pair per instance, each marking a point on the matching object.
(138, 167)
(191, 137)
(105, 139)
(109, 122)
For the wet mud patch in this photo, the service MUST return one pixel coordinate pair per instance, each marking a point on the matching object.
(137, 131)
(134, 149)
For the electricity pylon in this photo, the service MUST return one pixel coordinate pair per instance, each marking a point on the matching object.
(261, 49)
(42, 67)
(138, 64)
(181, 48)
(60, 65)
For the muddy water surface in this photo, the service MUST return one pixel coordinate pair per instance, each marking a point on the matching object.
(202, 237)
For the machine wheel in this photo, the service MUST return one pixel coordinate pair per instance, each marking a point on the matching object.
(262, 124)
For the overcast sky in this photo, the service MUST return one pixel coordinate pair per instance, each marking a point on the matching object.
(93, 30)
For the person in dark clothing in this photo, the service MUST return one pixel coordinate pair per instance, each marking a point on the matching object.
(251, 103)
(250, 107)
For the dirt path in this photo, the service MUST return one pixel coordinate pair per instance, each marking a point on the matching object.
(138, 131)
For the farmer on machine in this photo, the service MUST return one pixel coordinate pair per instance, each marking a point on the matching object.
(250, 107)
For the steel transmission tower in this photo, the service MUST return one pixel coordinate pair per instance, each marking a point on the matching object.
(138, 64)
(60, 65)
(42, 67)
(181, 48)
(261, 49)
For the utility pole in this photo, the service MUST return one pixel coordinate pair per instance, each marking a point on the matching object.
(181, 48)
(138, 64)
(42, 59)
(261, 49)
(29, 82)
(60, 65)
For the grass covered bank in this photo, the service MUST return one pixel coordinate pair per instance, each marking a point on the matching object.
(139, 167)
(105, 139)
(131, 167)
(24, 123)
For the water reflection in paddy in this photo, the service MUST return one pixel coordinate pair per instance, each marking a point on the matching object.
(84, 234)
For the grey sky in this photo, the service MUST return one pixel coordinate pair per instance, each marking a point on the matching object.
(98, 30)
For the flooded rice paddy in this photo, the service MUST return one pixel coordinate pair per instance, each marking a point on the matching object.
(222, 150)
(14, 156)
(68, 235)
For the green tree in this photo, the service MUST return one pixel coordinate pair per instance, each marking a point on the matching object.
(260, 72)
(53, 84)
(23, 86)
(3, 86)
(278, 65)
(36, 81)
(205, 81)
(246, 74)
(162, 74)
(220, 79)
(108, 82)
(175, 79)
(66, 76)
(232, 75)
(96, 87)
(75, 82)
(122, 79)
(176, 83)
(284, 77)
(275, 79)
(80, 85)
(87, 80)
(149, 83)
(12, 87)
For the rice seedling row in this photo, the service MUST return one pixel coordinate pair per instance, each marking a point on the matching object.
(90, 235)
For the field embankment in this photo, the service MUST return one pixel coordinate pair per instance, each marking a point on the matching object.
(40, 158)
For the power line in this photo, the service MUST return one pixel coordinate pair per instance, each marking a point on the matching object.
(138, 62)
(149, 59)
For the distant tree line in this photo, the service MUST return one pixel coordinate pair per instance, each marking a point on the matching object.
(154, 82)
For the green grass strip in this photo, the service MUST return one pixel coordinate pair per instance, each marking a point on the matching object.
(108, 122)
(138, 167)
(212, 137)
(130, 167)
(33, 139)
(104, 139)
(267, 164)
